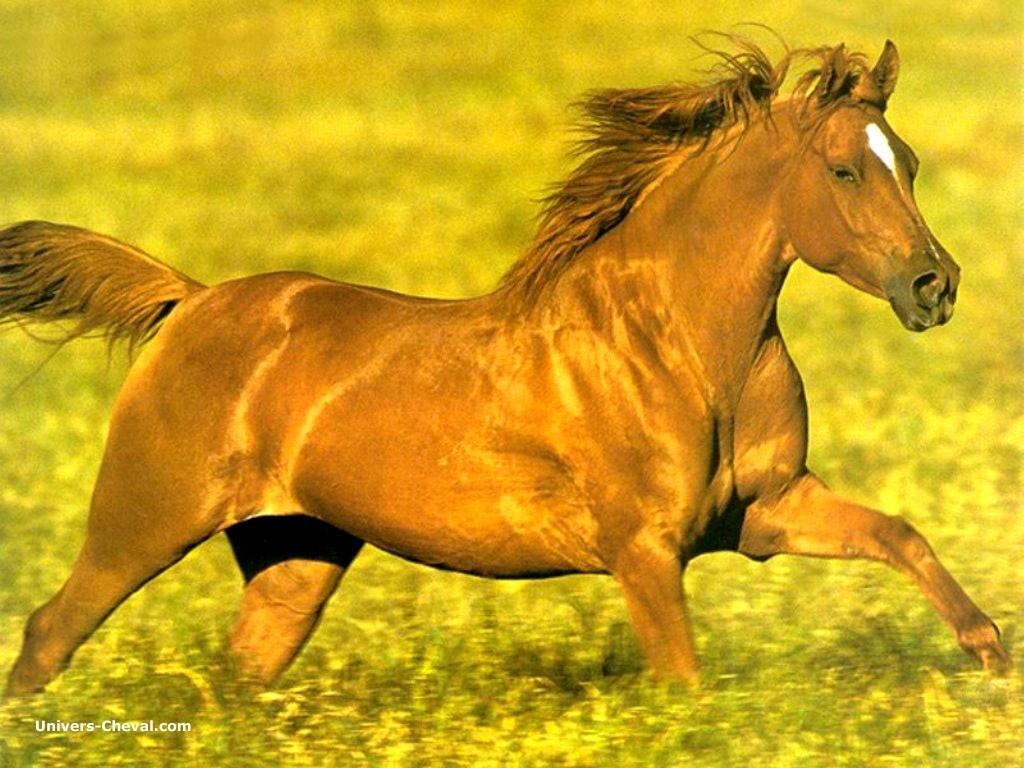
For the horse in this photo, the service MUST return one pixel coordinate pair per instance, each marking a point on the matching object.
(622, 403)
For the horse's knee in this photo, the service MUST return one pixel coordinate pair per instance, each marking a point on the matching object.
(905, 542)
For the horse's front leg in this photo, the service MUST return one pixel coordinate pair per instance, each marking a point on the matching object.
(809, 519)
(651, 577)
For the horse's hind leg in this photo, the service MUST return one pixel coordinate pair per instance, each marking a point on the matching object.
(291, 565)
(146, 514)
(107, 571)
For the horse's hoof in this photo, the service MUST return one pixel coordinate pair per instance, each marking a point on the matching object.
(995, 659)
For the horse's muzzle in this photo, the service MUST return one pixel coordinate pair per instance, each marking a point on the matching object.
(926, 297)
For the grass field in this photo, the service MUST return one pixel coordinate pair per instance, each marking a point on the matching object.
(406, 148)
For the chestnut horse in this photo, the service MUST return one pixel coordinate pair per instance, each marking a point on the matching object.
(621, 404)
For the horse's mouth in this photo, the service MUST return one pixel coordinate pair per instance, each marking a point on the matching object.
(919, 318)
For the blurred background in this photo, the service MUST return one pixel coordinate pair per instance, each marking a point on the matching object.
(406, 145)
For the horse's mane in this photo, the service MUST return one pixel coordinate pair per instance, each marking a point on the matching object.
(631, 135)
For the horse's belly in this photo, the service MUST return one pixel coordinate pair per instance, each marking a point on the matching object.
(516, 518)
(499, 538)
(519, 540)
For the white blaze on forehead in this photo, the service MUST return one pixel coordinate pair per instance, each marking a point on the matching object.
(879, 144)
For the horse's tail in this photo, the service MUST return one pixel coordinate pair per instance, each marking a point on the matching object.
(93, 283)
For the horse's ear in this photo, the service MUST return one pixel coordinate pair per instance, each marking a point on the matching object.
(877, 86)
(887, 69)
(833, 75)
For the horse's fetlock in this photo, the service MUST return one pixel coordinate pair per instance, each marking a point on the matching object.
(30, 672)
(978, 635)
(36, 628)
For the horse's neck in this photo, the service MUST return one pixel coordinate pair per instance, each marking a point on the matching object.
(700, 264)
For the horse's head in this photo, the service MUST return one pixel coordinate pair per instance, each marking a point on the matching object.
(849, 207)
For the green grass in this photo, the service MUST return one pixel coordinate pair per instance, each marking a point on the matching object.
(405, 148)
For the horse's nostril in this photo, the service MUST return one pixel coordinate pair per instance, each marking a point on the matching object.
(928, 289)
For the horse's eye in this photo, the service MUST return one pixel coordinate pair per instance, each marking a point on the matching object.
(844, 174)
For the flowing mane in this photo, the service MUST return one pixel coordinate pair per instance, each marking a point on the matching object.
(630, 136)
